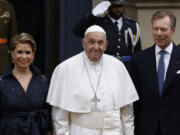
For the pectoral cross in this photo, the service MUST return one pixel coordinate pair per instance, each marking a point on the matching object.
(95, 100)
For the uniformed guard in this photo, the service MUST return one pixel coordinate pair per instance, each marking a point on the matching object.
(123, 34)
(8, 27)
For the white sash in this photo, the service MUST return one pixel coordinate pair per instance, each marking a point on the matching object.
(108, 122)
(93, 120)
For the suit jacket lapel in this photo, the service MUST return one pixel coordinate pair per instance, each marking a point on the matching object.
(172, 68)
(153, 72)
(124, 26)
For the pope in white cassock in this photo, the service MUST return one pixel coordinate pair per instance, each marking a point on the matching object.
(91, 92)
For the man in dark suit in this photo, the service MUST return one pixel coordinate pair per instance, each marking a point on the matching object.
(157, 79)
(123, 34)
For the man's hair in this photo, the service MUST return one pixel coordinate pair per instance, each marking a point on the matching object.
(163, 13)
(23, 38)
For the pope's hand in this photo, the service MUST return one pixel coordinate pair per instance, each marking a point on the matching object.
(101, 8)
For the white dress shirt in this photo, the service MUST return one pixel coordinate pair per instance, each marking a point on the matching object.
(120, 22)
(167, 56)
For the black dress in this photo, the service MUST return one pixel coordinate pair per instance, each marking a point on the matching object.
(23, 113)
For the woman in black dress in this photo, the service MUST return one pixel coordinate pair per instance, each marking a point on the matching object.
(23, 91)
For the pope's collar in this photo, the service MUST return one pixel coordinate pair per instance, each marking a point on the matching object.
(92, 62)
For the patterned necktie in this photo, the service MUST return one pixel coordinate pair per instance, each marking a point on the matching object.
(161, 71)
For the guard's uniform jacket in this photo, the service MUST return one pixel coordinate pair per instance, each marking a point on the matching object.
(8, 27)
(122, 44)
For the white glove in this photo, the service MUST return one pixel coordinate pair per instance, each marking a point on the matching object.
(101, 8)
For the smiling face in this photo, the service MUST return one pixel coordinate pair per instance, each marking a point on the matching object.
(22, 55)
(94, 45)
(162, 31)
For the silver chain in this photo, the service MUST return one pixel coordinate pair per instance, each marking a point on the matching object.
(94, 90)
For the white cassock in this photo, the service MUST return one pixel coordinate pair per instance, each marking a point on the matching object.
(71, 95)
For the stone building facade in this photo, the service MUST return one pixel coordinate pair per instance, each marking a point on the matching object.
(142, 10)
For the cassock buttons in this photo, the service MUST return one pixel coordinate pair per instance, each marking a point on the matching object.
(119, 39)
(118, 47)
(117, 54)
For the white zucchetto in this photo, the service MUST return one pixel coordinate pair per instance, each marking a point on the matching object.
(94, 28)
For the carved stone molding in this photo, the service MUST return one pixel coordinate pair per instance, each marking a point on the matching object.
(154, 5)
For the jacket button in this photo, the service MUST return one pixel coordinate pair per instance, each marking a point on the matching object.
(118, 47)
(117, 54)
(119, 39)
